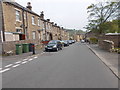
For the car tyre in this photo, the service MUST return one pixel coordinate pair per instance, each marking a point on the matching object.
(57, 49)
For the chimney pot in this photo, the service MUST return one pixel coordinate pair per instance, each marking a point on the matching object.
(55, 24)
(48, 20)
(42, 15)
(29, 6)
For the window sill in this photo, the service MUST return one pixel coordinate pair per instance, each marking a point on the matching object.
(18, 21)
(33, 24)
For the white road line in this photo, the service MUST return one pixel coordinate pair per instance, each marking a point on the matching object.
(25, 59)
(0, 68)
(18, 62)
(5, 70)
(9, 65)
(24, 62)
(30, 59)
(16, 65)
(35, 57)
(42, 53)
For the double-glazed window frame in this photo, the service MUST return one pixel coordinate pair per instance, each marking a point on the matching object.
(38, 21)
(33, 20)
(33, 34)
(18, 15)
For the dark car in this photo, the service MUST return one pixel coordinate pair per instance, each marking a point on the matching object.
(53, 45)
(70, 41)
(73, 41)
(66, 43)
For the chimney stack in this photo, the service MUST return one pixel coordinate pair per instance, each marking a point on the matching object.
(29, 6)
(48, 20)
(55, 24)
(42, 15)
(52, 22)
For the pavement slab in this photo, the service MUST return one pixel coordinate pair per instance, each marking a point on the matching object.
(108, 58)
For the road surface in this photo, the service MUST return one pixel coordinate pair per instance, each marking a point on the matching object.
(73, 67)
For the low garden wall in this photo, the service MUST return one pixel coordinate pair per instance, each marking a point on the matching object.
(114, 38)
(107, 45)
(11, 46)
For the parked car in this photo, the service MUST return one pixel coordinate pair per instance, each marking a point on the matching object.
(62, 42)
(70, 41)
(82, 41)
(53, 45)
(66, 43)
(73, 41)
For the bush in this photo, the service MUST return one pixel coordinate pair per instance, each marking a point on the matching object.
(117, 50)
(93, 40)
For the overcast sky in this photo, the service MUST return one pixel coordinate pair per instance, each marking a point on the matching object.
(71, 14)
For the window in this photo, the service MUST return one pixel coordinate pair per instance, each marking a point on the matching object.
(33, 20)
(18, 16)
(34, 35)
(49, 27)
(18, 30)
(24, 15)
(38, 22)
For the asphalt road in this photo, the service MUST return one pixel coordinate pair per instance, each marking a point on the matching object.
(73, 67)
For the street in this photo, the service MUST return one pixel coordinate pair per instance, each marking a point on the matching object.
(73, 67)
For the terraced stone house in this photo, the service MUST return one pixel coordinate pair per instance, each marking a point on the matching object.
(18, 23)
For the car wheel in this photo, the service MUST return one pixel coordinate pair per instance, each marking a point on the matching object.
(57, 49)
(46, 50)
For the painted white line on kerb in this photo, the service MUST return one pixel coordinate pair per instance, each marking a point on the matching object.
(5, 70)
(18, 62)
(16, 65)
(9, 65)
(24, 62)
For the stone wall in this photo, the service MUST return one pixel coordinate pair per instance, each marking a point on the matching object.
(11, 46)
(0, 27)
(107, 45)
(114, 38)
(0, 21)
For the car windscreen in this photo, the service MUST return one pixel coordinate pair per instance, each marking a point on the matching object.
(52, 42)
(65, 41)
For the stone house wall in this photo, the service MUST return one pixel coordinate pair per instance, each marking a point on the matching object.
(1, 23)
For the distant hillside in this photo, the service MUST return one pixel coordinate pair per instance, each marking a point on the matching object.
(72, 32)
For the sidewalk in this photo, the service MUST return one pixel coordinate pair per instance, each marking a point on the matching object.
(109, 59)
(11, 59)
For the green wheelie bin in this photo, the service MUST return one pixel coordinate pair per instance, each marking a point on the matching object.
(18, 49)
(25, 47)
